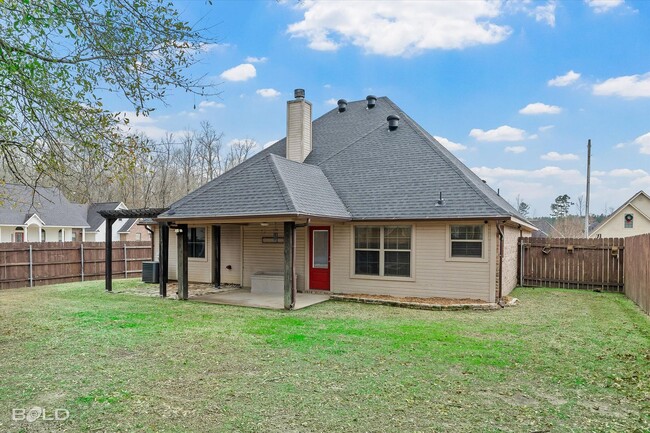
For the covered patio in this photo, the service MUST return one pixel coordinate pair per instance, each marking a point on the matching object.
(288, 299)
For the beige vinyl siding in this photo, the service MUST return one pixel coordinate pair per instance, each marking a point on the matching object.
(199, 269)
(510, 257)
(269, 257)
(231, 253)
(433, 273)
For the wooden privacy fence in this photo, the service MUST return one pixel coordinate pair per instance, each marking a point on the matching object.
(572, 263)
(637, 270)
(42, 263)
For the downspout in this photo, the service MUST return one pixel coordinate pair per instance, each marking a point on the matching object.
(500, 229)
(153, 242)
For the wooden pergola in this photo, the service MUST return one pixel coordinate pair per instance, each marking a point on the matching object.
(113, 215)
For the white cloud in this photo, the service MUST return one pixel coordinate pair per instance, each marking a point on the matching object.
(399, 28)
(268, 93)
(147, 125)
(555, 156)
(327, 86)
(600, 6)
(250, 59)
(564, 80)
(629, 86)
(545, 13)
(573, 177)
(540, 108)
(332, 101)
(450, 145)
(502, 133)
(546, 128)
(515, 149)
(242, 72)
(644, 142)
(627, 172)
(211, 104)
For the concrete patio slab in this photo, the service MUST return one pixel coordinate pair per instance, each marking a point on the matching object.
(244, 298)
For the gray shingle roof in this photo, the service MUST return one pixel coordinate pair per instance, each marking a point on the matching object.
(94, 218)
(268, 185)
(18, 203)
(376, 173)
(127, 225)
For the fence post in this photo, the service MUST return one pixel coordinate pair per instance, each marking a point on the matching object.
(31, 270)
(82, 261)
(126, 264)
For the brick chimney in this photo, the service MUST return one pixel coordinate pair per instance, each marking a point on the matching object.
(298, 127)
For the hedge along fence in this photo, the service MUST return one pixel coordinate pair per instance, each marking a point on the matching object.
(43, 263)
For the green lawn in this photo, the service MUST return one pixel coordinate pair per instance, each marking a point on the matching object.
(562, 361)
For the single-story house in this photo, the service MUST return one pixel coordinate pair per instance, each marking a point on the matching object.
(44, 214)
(40, 215)
(362, 200)
(630, 219)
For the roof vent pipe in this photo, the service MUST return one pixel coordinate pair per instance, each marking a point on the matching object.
(372, 101)
(299, 94)
(393, 122)
(343, 104)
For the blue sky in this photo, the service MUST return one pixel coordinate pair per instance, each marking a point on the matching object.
(513, 88)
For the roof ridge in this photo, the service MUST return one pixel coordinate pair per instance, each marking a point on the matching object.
(348, 145)
(279, 179)
(419, 130)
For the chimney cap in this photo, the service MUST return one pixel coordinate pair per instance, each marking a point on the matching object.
(393, 121)
(342, 103)
(372, 101)
(299, 93)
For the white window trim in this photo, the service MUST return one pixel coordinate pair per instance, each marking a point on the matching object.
(484, 252)
(381, 277)
(207, 254)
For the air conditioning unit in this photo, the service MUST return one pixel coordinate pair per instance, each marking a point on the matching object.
(150, 272)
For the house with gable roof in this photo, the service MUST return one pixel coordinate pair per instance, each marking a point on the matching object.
(630, 219)
(40, 215)
(362, 200)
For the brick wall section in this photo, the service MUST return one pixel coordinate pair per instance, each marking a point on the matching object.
(131, 236)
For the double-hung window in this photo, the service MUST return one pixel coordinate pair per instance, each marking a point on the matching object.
(382, 251)
(467, 241)
(196, 242)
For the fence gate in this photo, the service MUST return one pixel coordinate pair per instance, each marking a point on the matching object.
(572, 263)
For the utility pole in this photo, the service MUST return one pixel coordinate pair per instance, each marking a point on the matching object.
(588, 185)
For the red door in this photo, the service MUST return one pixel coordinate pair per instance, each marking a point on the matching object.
(319, 258)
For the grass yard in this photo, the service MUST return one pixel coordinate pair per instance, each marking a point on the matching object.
(562, 361)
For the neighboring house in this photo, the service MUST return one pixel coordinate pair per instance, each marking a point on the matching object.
(40, 215)
(630, 219)
(375, 204)
(45, 215)
(132, 230)
(97, 230)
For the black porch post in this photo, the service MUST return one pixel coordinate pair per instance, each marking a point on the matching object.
(183, 274)
(163, 256)
(109, 254)
(289, 280)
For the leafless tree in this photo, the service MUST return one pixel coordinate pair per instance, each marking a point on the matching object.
(209, 149)
(239, 150)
